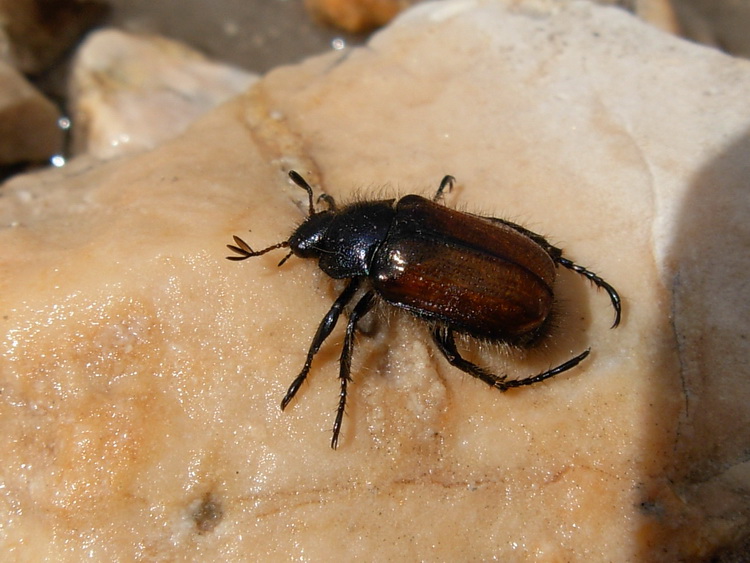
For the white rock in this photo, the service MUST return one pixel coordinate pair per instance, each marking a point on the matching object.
(130, 93)
(142, 372)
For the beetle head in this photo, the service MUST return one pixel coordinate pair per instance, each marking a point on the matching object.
(305, 240)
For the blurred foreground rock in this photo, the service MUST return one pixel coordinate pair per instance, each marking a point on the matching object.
(142, 372)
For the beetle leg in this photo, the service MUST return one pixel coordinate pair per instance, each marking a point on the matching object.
(330, 202)
(573, 362)
(557, 256)
(360, 309)
(553, 251)
(302, 183)
(443, 337)
(324, 330)
(446, 343)
(446, 182)
(597, 281)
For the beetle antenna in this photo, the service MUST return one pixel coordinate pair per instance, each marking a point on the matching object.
(302, 183)
(245, 251)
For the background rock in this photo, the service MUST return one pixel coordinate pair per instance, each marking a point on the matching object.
(28, 121)
(723, 24)
(356, 15)
(141, 372)
(256, 35)
(130, 93)
(37, 34)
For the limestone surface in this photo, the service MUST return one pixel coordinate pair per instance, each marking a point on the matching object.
(141, 372)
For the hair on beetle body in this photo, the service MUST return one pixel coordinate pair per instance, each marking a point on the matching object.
(461, 274)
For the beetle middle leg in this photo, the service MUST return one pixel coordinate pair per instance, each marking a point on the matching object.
(446, 182)
(446, 343)
(362, 307)
(330, 201)
(324, 330)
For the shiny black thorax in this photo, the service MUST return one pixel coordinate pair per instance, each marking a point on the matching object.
(344, 241)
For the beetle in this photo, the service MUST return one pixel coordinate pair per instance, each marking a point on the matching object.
(484, 277)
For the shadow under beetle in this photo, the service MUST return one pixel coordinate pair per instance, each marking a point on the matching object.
(481, 276)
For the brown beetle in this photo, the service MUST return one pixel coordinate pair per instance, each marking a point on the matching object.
(481, 276)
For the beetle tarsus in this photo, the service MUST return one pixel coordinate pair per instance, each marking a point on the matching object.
(573, 362)
(598, 282)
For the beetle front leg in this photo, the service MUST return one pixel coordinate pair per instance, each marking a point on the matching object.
(361, 309)
(324, 330)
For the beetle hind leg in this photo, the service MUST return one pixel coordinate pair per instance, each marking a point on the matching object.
(573, 362)
(446, 343)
